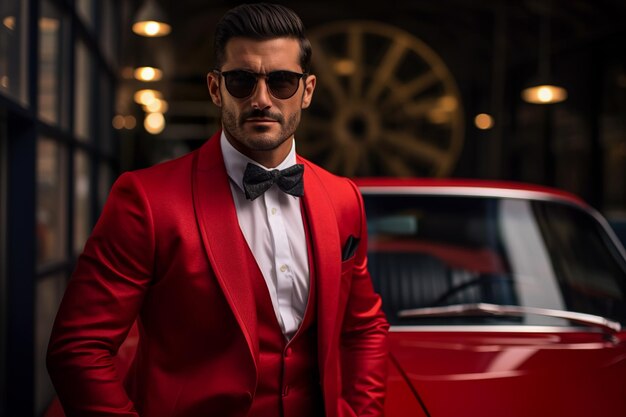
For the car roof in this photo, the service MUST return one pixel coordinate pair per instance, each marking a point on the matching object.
(467, 187)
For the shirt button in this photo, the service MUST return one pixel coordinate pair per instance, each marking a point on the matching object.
(283, 268)
(274, 210)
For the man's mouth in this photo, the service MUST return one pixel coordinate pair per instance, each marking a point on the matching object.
(260, 120)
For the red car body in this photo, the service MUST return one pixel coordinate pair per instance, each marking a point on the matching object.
(450, 368)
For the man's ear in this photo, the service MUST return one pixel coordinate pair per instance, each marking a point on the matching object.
(213, 82)
(309, 87)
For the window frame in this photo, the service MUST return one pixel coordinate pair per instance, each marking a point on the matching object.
(23, 128)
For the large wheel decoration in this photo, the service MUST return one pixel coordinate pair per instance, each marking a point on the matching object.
(385, 104)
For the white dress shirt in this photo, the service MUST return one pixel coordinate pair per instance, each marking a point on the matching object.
(273, 228)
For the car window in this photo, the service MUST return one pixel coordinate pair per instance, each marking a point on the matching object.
(584, 260)
(431, 251)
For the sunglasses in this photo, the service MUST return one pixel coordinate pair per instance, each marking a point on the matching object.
(281, 84)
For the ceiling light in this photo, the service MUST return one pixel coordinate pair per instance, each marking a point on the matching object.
(124, 122)
(156, 106)
(543, 91)
(130, 122)
(48, 24)
(148, 74)
(9, 22)
(154, 123)
(146, 97)
(118, 122)
(544, 94)
(483, 121)
(151, 21)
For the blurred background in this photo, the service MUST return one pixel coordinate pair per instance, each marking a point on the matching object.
(529, 90)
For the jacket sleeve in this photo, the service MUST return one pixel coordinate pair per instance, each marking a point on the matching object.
(101, 303)
(364, 347)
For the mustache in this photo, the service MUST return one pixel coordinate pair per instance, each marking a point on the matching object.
(261, 113)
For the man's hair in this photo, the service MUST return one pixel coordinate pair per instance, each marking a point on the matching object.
(261, 21)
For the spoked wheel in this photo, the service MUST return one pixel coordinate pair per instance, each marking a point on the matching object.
(385, 104)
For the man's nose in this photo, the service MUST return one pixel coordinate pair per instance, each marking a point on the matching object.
(261, 98)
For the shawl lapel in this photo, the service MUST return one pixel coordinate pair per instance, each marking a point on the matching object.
(326, 254)
(223, 241)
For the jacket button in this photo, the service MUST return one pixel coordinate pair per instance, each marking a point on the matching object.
(249, 396)
(288, 352)
(285, 390)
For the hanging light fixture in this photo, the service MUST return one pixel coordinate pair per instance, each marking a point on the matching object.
(147, 74)
(146, 63)
(544, 94)
(156, 106)
(151, 21)
(147, 96)
(543, 91)
(154, 123)
(483, 121)
(9, 22)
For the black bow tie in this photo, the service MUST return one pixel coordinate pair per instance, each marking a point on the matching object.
(257, 180)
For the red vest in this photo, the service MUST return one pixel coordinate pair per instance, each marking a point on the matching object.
(288, 384)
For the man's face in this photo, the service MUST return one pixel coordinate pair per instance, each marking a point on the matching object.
(261, 124)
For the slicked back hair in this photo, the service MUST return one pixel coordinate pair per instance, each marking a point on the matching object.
(261, 21)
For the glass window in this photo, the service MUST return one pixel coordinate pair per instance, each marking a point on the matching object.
(3, 244)
(105, 115)
(52, 65)
(613, 135)
(429, 251)
(51, 202)
(83, 92)
(82, 193)
(4, 164)
(105, 183)
(587, 263)
(108, 39)
(85, 11)
(13, 69)
(48, 294)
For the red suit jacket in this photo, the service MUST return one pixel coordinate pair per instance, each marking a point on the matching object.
(167, 251)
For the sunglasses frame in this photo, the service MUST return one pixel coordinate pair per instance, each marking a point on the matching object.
(257, 75)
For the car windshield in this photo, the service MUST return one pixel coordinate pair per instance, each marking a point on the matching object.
(431, 251)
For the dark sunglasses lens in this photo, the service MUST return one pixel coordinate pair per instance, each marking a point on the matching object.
(240, 83)
(283, 84)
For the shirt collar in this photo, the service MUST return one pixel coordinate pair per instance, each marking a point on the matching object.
(236, 162)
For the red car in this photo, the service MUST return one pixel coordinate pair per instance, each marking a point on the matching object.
(504, 299)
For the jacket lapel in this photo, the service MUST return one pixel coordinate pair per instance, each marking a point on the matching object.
(223, 241)
(326, 254)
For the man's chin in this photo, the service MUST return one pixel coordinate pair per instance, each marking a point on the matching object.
(260, 128)
(264, 137)
(259, 138)
(264, 144)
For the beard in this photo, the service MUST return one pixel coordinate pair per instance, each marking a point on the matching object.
(261, 138)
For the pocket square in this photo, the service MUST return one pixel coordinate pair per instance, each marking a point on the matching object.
(349, 248)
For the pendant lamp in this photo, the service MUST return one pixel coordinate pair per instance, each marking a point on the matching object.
(151, 20)
(542, 90)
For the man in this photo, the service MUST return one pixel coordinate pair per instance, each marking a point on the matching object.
(243, 264)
